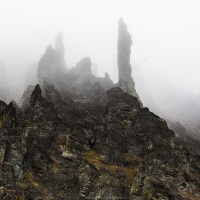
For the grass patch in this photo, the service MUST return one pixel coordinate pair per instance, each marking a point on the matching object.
(28, 175)
(130, 157)
(95, 159)
(54, 168)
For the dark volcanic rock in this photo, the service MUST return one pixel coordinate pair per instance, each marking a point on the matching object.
(25, 100)
(75, 138)
(65, 149)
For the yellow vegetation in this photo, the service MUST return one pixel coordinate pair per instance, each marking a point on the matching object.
(95, 159)
(67, 130)
(21, 196)
(2, 119)
(54, 166)
(131, 157)
(147, 195)
(28, 175)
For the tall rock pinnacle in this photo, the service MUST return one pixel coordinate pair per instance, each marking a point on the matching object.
(124, 50)
(52, 64)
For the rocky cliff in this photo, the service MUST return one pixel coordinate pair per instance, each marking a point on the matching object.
(82, 137)
(52, 65)
(63, 149)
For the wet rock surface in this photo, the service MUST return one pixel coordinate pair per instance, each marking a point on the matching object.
(68, 149)
(77, 136)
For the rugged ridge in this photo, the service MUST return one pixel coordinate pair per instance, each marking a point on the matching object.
(59, 149)
(78, 136)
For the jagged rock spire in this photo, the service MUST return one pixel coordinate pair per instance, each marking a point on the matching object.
(124, 50)
(85, 65)
(36, 94)
(52, 64)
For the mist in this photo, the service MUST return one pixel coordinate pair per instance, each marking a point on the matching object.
(165, 52)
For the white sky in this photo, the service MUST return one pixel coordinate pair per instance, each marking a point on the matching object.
(165, 34)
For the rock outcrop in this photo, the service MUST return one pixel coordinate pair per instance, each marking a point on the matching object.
(52, 65)
(79, 137)
(25, 100)
(124, 50)
(66, 149)
(82, 71)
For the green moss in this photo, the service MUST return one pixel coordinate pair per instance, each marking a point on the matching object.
(95, 159)
(131, 157)
(21, 196)
(28, 175)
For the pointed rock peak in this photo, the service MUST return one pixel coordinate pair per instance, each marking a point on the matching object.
(124, 50)
(37, 90)
(11, 106)
(2, 105)
(124, 34)
(85, 65)
(25, 100)
(122, 25)
(14, 104)
(36, 94)
(49, 49)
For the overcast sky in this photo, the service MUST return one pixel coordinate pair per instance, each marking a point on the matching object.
(165, 34)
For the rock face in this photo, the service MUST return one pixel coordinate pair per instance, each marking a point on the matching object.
(124, 50)
(52, 65)
(78, 81)
(79, 137)
(24, 102)
(68, 149)
(82, 71)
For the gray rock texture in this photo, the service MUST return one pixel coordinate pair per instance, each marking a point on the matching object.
(52, 65)
(67, 149)
(124, 67)
(81, 137)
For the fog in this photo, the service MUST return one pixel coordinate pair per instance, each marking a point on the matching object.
(165, 52)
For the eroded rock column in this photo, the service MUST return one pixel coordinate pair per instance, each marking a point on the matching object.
(124, 50)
